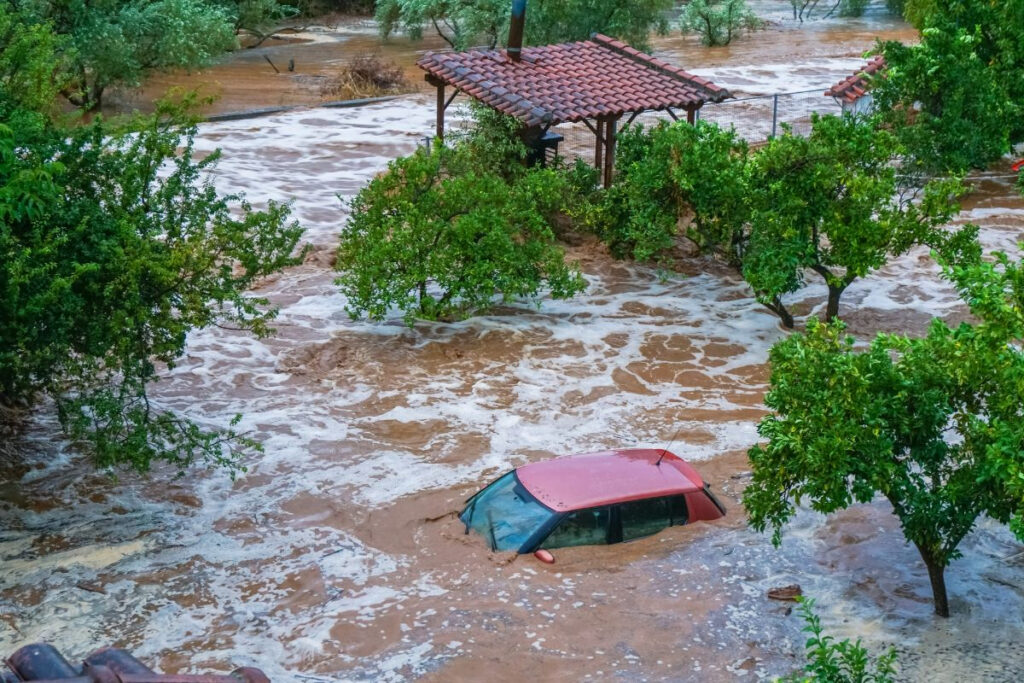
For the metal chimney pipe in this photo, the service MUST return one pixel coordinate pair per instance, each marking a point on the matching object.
(515, 30)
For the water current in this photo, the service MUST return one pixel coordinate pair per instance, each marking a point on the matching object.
(337, 555)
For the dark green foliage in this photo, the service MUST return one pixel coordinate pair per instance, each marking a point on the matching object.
(442, 235)
(667, 174)
(850, 424)
(832, 203)
(466, 23)
(115, 43)
(955, 98)
(105, 266)
(853, 8)
(896, 6)
(717, 22)
(832, 661)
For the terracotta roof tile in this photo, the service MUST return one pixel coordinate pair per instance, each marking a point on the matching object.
(854, 87)
(571, 81)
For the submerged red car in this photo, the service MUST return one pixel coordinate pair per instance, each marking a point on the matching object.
(589, 499)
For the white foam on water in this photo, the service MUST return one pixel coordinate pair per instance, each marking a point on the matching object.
(336, 402)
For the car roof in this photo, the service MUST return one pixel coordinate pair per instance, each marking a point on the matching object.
(588, 480)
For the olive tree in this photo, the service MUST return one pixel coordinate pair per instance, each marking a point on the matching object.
(462, 23)
(934, 424)
(717, 22)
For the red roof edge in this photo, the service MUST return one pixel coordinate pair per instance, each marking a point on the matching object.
(852, 88)
(717, 93)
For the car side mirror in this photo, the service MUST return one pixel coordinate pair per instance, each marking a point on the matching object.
(544, 556)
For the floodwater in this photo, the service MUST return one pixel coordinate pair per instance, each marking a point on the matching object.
(338, 556)
(786, 57)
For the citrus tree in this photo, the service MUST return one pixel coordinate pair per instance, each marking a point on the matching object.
(934, 424)
(114, 245)
(834, 203)
(443, 234)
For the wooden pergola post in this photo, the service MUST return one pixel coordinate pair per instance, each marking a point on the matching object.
(609, 152)
(599, 144)
(691, 115)
(440, 111)
(441, 104)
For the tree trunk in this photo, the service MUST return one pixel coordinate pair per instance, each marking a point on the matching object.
(776, 307)
(832, 310)
(936, 573)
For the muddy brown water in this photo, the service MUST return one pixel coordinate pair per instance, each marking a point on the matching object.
(337, 555)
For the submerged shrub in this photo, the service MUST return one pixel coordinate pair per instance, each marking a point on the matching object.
(839, 661)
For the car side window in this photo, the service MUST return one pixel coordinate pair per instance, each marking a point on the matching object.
(583, 527)
(645, 517)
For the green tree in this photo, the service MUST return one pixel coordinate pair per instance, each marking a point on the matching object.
(462, 23)
(669, 176)
(956, 97)
(839, 661)
(31, 65)
(441, 235)
(933, 424)
(115, 43)
(945, 101)
(717, 22)
(832, 203)
(113, 247)
(835, 204)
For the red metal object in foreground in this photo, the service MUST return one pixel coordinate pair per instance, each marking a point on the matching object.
(42, 663)
(1018, 166)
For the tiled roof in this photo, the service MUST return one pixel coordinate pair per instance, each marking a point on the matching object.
(854, 87)
(571, 81)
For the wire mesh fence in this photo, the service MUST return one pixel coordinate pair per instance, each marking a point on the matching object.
(760, 118)
(756, 119)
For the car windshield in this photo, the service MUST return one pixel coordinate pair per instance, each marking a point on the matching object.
(505, 514)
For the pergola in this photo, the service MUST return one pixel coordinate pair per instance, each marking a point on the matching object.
(596, 82)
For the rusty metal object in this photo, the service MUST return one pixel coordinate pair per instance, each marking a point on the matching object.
(42, 663)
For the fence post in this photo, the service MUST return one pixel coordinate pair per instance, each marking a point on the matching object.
(775, 113)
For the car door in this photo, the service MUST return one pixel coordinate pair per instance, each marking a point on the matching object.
(639, 518)
(581, 527)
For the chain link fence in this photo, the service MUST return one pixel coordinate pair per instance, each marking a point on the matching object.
(757, 119)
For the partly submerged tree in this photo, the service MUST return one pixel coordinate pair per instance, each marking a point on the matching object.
(956, 96)
(834, 203)
(717, 22)
(933, 424)
(114, 245)
(945, 102)
(442, 234)
(116, 43)
(463, 23)
(674, 178)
